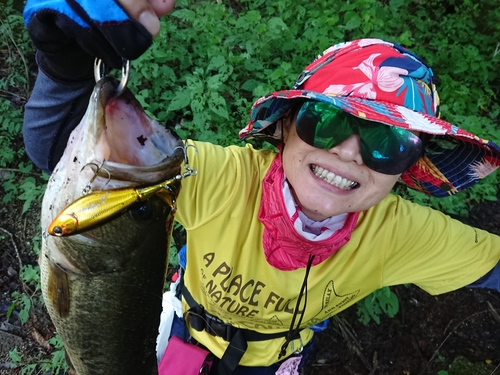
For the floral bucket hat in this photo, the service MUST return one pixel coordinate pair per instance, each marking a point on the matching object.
(382, 81)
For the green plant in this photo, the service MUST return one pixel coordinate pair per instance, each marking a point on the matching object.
(383, 300)
(10, 129)
(19, 180)
(15, 44)
(29, 275)
(39, 365)
(23, 302)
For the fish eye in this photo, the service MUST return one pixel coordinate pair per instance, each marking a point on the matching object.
(142, 211)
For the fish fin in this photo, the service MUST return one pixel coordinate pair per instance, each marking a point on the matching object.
(59, 289)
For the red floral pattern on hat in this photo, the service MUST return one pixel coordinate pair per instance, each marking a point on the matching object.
(388, 79)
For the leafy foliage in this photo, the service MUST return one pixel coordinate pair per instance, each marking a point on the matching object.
(57, 365)
(14, 44)
(19, 181)
(211, 61)
(380, 301)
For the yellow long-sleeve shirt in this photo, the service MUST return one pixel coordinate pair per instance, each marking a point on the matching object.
(394, 242)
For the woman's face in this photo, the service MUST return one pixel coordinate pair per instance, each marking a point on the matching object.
(330, 182)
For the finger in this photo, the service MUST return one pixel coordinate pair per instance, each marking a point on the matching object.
(148, 12)
(162, 7)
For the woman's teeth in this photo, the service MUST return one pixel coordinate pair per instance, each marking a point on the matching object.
(333, 179)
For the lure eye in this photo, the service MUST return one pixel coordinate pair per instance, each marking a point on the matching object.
(64, 224)
(142, 211)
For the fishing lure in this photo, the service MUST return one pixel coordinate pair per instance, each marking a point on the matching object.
(97, 207)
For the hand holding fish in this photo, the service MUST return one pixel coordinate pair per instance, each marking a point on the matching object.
(70, 34)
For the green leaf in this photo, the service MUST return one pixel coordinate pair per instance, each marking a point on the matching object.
(25, 167)
(167, 73)
(184, 14)
(363, 315)
(160, 56)
(15, 356)
(353, 23)
(218, 105)
(396, 3)
(373, 309)
(276, 25)
(25, 309)
(389, 303)
(278, 73)
(216, 62)
(253, 16)
(214, 82)
(197, 106)
(31, 191)
(250, 85)
(251, 64)
(11, 309)
(181, 100)
(173, 254)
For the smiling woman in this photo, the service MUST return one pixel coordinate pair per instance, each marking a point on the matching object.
(369, 150)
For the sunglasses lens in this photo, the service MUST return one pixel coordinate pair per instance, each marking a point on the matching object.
(388, 149)
(385, 149)
(322, 125)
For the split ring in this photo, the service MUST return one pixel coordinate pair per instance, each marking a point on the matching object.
(100, 72)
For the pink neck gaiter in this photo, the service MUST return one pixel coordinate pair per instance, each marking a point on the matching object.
(284, 248)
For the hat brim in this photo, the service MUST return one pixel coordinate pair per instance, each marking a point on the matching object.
(452, 162)
(276, 105)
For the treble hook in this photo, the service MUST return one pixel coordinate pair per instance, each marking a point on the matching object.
(171, 196)
(100, 72)
(190, 171)
(88, 188)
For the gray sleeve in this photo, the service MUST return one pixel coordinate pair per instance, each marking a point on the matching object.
(50, 115)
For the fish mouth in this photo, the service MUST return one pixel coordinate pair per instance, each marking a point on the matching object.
(133, 146)
(333, 179)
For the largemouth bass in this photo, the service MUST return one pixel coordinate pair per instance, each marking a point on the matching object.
(103, 287)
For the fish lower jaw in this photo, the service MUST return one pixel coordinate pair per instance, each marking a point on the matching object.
(333, 179)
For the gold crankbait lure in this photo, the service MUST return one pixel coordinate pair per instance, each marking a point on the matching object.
(94, 208)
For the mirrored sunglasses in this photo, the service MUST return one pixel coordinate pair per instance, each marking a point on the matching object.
(384, 149)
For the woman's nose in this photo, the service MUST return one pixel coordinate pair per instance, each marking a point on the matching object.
(349, 149)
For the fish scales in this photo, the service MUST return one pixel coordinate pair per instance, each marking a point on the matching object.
(103, 287)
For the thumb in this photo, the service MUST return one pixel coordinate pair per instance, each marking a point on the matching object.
(148, 12)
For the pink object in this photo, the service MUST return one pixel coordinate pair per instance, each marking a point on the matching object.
(284, 248)
(183, 358)
(290, 366)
